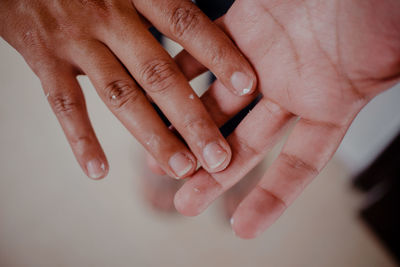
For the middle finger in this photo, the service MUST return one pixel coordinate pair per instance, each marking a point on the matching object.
(157, 73)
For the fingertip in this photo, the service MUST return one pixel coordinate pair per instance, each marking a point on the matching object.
(182, 164)
(97, 169)
(240, 230)
(197, 194)
(217, 156)
(243, 83)
(256, 213)
(228, 158)
(182, 204)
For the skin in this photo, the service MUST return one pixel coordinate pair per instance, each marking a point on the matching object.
(109, 41)
(318, 63)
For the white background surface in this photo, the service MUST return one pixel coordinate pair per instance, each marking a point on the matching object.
(374, 128)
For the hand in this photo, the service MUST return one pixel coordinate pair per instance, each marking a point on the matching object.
(108, 40)
(319, 63)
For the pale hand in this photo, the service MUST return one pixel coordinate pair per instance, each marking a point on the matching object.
(319, 63)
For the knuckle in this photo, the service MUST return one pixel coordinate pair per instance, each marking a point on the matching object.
(196, 124)
(273, 110)
(274, 195)
(82, 142)
(245, 146)
(69, 31)
(64, 104)
(31, 38)
(34, 42)
(297, 164)
(219, 54)
(158, 75)
(119, 93)
(184, 19)
(102, 6)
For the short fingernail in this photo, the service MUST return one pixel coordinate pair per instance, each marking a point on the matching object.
(214, 155)
(242, 83)
(96, 169)
(180, 164)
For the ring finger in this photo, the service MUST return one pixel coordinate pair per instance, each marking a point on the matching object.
(126, 100)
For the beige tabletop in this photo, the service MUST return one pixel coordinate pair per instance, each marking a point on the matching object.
(52, 215)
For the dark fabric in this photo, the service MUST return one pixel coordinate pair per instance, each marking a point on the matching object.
(381, 182)
(214, 8)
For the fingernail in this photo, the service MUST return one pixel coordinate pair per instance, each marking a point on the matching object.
(180, 164)
(242, 83)
(214, 155)
(95, 169)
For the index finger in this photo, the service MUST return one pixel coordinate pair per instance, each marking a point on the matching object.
(186, 24)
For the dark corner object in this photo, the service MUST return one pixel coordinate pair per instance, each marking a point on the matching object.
(212, 8)
(381, 182)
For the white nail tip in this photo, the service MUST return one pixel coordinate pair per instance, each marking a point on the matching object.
(245, 91)
(184, 172)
